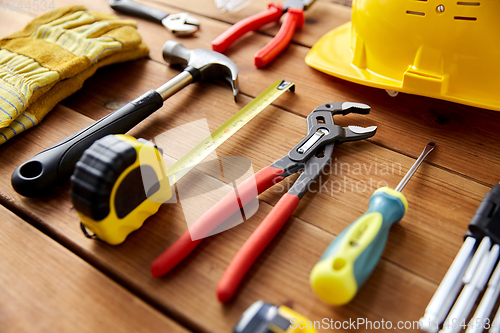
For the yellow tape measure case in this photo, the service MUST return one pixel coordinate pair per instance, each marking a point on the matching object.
(117, 184)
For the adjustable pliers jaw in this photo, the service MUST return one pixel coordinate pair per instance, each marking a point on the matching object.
(302, 4)
(321, 129)
(313, 153)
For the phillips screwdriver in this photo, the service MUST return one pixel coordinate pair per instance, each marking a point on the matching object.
(352, 256)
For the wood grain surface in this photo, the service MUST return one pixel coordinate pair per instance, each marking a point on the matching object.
(46, 288)
(443, 195)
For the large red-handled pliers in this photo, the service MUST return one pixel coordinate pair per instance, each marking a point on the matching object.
(311, 155)
(293, 20)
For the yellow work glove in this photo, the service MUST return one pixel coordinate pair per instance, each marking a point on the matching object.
(51, 58)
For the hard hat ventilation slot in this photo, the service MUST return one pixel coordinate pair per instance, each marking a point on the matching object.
(465, 18)
(464, 3)
(411, 12)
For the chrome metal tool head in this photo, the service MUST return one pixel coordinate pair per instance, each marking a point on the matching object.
(428, 148)
(181, 24)
(202, 64)
(314, 152)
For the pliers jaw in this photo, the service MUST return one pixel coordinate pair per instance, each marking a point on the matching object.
(342, 108)
(294, 19)
(322, 129)
(302, 4)
(313, 153)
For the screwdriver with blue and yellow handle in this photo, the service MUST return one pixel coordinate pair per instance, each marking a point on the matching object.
(352, 256)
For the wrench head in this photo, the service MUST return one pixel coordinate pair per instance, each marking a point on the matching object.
(181, 24)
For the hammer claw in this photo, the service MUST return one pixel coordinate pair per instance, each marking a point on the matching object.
(201, 64)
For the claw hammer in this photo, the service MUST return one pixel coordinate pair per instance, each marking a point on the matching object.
(53, 166)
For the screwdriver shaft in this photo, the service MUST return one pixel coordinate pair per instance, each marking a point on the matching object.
(427, 150)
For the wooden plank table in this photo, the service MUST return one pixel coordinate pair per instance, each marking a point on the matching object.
(52, 276)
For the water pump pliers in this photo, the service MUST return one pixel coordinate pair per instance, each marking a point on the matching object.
(311, 155)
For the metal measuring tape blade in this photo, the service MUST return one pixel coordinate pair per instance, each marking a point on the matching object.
(120, 181)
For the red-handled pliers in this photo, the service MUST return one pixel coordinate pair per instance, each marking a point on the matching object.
(293, 20)
(311, 155)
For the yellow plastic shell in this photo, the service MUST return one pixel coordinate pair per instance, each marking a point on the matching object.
(335, 279)
(114, 230)
(442, 49)
(394, 193)
(298, 320)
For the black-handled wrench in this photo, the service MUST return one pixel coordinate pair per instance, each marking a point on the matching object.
(53, 166)
(181, 24)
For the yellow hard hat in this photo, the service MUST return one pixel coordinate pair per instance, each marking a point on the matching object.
(437, 48)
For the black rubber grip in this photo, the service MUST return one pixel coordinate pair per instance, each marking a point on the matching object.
(54, 166)
(486, 221)
(133, 8)
(96, 174)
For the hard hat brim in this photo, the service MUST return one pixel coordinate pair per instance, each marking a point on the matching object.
(333, 55)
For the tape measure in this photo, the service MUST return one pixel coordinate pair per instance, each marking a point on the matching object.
(224, 132)
(264, 317)
(120, 181)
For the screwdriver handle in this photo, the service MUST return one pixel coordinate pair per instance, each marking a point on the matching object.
(352, 256)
